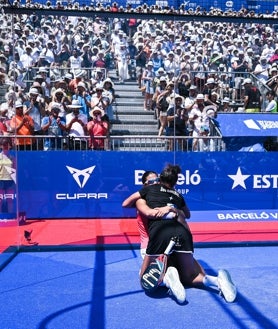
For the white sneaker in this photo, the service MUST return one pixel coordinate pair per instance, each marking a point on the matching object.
(172, 281)
(226, 286)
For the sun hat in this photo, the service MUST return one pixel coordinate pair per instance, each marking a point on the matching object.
(74, 104)
(96, 109)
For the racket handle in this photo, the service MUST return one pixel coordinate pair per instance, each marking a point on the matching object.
(169, 247)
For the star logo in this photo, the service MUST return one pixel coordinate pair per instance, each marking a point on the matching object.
(81, 176)
(239, 179)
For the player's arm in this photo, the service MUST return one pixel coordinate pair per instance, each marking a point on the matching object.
(148, 212)
(131, 200)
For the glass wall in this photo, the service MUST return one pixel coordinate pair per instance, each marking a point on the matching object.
(169, 78)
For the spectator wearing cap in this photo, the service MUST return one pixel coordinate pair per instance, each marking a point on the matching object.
(76, 126)
(53, 125)
(28, 61)
(272, 82)
(75, 62)
(177, 119)
(45, 82)
(61, 100)
(10, 98)
(101, 99)
(226, 106)
(190, 100)
(48, 52)
(99, 60)
(262, 69)
(198, 118)
(122, 59)
(109, 92)
(97, 127)
(22, 124)
(83, 97)
(78, 77)
(35, 107)
(170, 63)
(209, 88)
(157, 61)
(252, 97)
(148, 77)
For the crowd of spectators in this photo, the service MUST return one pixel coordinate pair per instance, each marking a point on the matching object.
(55, 73)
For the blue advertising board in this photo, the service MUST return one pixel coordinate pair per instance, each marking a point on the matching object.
(257, 6)
(93, 184)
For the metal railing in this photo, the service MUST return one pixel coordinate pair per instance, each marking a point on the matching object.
(114, 143)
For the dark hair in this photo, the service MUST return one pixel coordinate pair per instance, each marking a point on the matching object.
(170, 175)
(146, 174)
(271, 93)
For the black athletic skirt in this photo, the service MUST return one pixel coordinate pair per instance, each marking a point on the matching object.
(161, 232)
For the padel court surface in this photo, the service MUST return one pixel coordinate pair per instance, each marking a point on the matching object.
(84, 275)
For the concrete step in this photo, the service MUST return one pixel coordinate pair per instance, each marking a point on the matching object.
(129, 118)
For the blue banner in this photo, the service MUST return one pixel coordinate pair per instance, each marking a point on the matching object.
(248, 125)
(80, 184)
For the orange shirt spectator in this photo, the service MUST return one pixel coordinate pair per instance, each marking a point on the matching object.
(22, 124)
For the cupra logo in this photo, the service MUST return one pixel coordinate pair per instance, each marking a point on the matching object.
(239, 179)
(81, 176)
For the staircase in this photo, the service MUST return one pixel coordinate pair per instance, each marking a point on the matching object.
(130, 119)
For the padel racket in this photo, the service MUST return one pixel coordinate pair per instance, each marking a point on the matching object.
(153, 275)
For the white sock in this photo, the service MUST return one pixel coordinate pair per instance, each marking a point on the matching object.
(210, 280)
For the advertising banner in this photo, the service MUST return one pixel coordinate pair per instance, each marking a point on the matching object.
(76, 184)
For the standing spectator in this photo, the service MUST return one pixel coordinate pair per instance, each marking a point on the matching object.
(76, 125)
(198, 119)
(148, 79)
(109, 91)
(252, 97)
(10, 98)
(75, 62)
(177, 118)
(97, 127)
(122, 59)
(53, 125)
(162, 104)
(22, 124)
(200, 74)
(141, 60)
(272, 102)
(35, 108)
(28, 62)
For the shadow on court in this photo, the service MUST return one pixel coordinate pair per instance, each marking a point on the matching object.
(101, 290)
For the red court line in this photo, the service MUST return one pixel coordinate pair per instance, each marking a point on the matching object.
(58, 232)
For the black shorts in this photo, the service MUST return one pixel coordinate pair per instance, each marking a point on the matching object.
(160, 234)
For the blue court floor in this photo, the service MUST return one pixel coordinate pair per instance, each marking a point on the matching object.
(101, 290)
